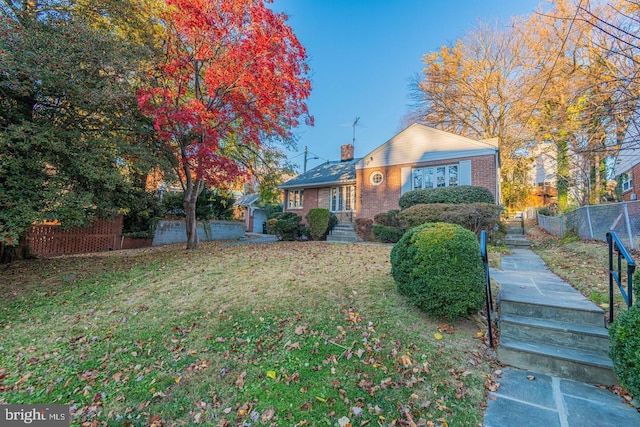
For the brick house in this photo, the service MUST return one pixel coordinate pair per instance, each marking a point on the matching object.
(417, 157)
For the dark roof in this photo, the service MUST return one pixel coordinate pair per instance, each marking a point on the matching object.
(326, 174)
(247, 200)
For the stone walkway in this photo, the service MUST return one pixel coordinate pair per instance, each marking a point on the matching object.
(531, 399)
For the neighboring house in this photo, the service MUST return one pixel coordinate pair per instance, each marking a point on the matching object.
(542, 175)
(255, 216)
(627, 166)
(417, 157)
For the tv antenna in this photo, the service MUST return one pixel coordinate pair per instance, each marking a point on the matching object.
(355, 123)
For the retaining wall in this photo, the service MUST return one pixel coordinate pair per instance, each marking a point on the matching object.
(170, 232)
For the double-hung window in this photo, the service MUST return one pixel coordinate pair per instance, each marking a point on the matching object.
(435, 176)
(343, 198)
(296, 199)
(627, 181)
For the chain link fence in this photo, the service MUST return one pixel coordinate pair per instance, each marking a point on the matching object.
(593, 222)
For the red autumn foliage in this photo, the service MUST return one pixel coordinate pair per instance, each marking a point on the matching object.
(233, 73)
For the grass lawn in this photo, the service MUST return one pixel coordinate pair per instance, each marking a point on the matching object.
(584, 264)
(278, 334)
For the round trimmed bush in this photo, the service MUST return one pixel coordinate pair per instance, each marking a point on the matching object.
(318, 220)
(625, 349)
(438, 267)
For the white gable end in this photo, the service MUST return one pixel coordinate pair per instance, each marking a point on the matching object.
(419, 143)
(629, 154)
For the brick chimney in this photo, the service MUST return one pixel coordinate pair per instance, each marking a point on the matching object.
(346, 152)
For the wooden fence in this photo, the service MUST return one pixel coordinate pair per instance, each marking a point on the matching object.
(52, 240)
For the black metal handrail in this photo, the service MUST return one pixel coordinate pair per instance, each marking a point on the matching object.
(615, 244)
(489, 298)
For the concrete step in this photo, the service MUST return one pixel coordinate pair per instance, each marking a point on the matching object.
(343, 226)
(556, 333)
(342, 238)
(520, 245)
(564, 311)
(341, 231)
(579, 365)
(512, 242)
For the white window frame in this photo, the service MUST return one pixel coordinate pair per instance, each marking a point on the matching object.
(374, 175)
(295, 199)
(343, 198)
(627, 181)
(422, 173)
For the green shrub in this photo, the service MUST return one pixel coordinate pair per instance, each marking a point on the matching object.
(172, 204)
(215, 204)
(211, 204)
(474, 217)
(141, 211)
(286, 225)
(364, 229)
(625, 349)
(272, 209)
(458, 194)
(438, 267)
(139, 234)
(387, 234)
(318, 221)
(546, 212)
(390, 218)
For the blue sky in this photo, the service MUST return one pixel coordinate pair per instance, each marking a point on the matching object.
(362, 55)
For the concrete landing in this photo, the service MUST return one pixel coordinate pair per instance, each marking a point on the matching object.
(554, 402)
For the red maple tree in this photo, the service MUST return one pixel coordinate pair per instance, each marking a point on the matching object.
(233, 72)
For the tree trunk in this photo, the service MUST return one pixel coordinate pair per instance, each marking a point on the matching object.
(191, 193)
(562, 184)
(8, 254)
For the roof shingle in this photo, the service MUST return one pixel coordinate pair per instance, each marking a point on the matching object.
(335, 172)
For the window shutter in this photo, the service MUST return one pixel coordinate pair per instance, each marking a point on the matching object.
(464, 174)
(405, 179)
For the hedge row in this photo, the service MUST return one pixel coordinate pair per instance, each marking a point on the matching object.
(459, 194)
(472, 216)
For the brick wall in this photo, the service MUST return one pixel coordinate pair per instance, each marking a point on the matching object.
(324, 198)
(310, 201)
(373, 199)
(52, 240)
(313, 198)
(483, 173)
(635, 182)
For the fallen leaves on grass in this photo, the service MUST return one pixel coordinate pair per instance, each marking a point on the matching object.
(346, 352)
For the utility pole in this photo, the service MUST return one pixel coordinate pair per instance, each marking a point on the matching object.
(306, 152)
(305, 159)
